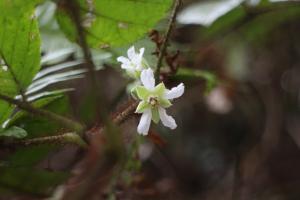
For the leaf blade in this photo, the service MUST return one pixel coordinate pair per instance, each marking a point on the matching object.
(115, 22)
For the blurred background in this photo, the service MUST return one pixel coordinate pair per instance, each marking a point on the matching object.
(238, 134)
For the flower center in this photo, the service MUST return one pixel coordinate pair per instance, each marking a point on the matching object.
(153, 101)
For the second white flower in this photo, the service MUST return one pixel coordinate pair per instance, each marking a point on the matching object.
(154, 101)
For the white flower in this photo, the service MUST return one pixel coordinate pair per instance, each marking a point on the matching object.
(154, 100)
(135, 62)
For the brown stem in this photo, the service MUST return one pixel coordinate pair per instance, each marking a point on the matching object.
(65, 138)
(163, 48)
(122, 116)
(74, 11)
(73, 137)
(66, 122)
(117, 119)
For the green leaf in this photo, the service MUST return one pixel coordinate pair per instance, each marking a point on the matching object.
(8, 87)
(39, 103)
(184, 73)
(34, 181)
(29, 155)
(114, 22)
(14, 132)
(19, 49)
(7, 83)
(5, 111)
(15, 8)
(38, 127)
(19, 42)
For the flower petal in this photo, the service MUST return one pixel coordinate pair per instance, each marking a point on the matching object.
(143, 105)
(123, 60)
(142, 50)
(145, 122)
(167, 120)
(128, 67)
(131, 53)
(138, 59)
(165, 103)
(175, 92)
(142, 92)
(160, 90)
(147, 78)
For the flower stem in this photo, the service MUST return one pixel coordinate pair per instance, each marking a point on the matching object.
(164, 45)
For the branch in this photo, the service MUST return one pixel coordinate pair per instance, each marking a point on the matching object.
(117, 119)
(68, 123)
(122, 115)
(89, 63)
(72, 137)
(164, 45)
(66, 138)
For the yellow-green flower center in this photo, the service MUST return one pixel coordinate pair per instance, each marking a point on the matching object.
(153, 101)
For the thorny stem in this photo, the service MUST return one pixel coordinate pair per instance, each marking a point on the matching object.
(65, 138)
(72, 137)
(117, 119)
(66, 122)
(162, 50)
(121, 116)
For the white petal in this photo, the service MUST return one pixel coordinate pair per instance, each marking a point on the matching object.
(130, 71)
(147, 78)
(145, 122)
(142, 50)
(131, 53)
(167, 120)
(175, 92)
(126, 66)
(137, 58)
(123, 60)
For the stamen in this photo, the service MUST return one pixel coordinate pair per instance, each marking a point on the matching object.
(153, 101)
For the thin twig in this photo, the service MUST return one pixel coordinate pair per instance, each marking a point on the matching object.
(74, 137)
(117, 119)
(89, 63)
(66, 138)
(66, 122)
(164, 45)
(122, 116)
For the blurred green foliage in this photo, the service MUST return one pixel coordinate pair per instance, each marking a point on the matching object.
(107, 23)
(114, 22)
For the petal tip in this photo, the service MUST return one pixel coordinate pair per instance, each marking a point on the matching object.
(144, 123)
(147, 78)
